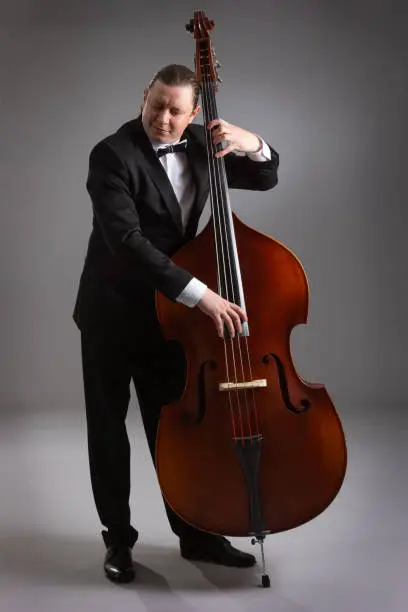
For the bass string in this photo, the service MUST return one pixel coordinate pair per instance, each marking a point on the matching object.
(223, 257)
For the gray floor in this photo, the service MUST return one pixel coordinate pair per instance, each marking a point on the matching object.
(353, 557)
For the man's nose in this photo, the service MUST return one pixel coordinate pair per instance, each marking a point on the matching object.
(164, 117)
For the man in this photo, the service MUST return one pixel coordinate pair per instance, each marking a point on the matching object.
(146, 205)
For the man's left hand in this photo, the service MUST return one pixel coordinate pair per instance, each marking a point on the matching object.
(237, 139)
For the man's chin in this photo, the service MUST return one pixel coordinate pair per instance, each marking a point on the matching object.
(160, 135)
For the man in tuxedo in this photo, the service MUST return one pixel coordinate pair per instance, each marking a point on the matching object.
(147, 199)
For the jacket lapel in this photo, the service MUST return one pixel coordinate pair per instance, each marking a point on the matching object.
(197, 158)
(150, 162)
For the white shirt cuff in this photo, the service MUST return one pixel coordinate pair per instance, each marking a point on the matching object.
(192, 293)
(263, 155)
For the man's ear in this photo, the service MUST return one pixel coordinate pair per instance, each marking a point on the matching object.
(145, 92)
(195, 112)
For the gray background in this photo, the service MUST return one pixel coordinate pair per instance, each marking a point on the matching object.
(325, 82)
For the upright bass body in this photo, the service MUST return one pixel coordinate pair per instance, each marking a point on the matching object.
(207, 465)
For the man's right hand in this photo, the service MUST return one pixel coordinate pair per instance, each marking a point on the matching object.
(222, 312)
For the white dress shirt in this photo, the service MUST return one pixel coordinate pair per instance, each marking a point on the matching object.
(180, 176)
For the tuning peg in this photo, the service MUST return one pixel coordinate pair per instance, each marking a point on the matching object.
(217, 64)
(190, 26)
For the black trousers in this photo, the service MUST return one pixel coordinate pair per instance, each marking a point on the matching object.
(157, 370)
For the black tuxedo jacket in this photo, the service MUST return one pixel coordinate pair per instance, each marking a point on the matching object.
(137, 225)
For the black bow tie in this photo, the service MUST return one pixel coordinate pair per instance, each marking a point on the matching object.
(180, 147)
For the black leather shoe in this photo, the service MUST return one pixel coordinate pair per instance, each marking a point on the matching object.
(215, 549)
(118, 564)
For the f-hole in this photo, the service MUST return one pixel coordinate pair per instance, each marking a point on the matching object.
(305, 403)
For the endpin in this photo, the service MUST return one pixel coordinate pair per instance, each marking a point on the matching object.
(266, 581)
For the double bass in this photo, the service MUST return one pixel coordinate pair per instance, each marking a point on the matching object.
(249, 448)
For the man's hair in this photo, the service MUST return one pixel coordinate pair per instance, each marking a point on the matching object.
(177, 74)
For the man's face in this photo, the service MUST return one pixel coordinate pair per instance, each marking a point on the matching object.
(167, 111)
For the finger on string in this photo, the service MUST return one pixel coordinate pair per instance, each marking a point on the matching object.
(230, 325)
(213, 123)
(218, 138)
(221, 139)
(237, 321)
(225, 151)
(239, 310)
(219, 326)
(218, 129)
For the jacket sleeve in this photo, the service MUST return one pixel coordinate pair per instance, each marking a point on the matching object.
(245, 173)
(115, 212)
